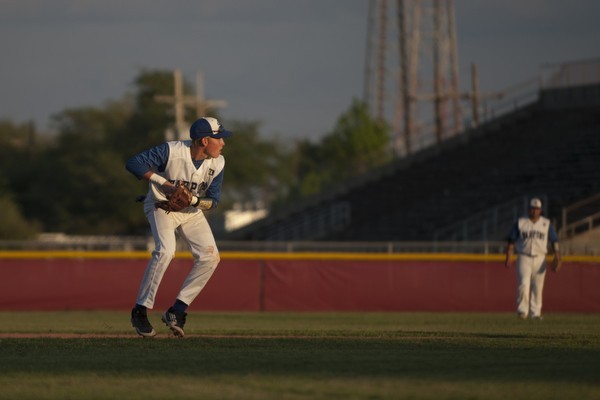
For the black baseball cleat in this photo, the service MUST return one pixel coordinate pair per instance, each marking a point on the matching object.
(175, 321)
(139, 320)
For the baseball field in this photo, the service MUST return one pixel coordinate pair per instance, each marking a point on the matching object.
(96, 355)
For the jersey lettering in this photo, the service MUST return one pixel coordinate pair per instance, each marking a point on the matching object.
(180, 168)
(190, 185)
(533, 235)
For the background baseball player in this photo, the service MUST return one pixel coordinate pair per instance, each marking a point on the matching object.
(197, 165)
(530, 236)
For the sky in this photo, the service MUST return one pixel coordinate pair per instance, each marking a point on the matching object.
(294, 66)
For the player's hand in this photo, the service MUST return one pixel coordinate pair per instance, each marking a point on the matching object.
(556, 264)
(168, 188)
(507, 263)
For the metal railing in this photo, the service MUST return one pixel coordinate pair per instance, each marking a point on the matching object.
(580, 217)
(146, 244)
(96, 243)
(62, 242)
(574, 73)
(485, 224)
(521, 95)
(582, 226)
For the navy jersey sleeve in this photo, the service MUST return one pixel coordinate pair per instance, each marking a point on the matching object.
(552, 236)
(154, 159)
(214, 190)
(513, 235)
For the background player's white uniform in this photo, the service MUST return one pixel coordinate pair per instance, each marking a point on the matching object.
(531, 243)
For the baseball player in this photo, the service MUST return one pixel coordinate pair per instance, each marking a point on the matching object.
(197, 165)
(530, 236)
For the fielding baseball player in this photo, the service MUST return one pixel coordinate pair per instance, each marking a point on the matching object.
(530, 236)
(185, 178)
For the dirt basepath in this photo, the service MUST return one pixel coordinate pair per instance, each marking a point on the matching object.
(57, 335)
(67, 335)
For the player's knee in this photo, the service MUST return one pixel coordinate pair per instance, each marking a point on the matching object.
(210, 257)
(163, 255)
(207, 255)
(213, 259)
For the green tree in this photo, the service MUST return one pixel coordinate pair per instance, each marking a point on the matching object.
(81, 185)
(92, 194)
(257, 169)
(356, 144)
(88, 162)
(150, 119)
(18, 148)
(14, 225)
(93, 145)
(76, 181)
(312, 169)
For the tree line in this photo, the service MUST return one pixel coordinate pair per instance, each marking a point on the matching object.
(74, 181)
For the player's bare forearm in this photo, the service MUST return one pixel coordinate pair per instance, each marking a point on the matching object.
(509, 254)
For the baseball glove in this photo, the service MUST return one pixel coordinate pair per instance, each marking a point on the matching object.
(179, 199)
(556, 264)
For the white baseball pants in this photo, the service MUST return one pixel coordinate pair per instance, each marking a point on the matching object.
(195, 230)
(531, 271)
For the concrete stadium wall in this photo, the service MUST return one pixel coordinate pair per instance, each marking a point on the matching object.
(288, 282)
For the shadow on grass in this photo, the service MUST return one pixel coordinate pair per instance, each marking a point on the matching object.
(489, 357)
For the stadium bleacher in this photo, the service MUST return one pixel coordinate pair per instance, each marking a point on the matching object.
(548, 148)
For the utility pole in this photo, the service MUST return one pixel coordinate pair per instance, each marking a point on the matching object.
(203, 105)
(475, 96)
(180, 101)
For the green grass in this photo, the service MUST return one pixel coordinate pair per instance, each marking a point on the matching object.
(303, 356)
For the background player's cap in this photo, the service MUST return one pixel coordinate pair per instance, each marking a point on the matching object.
(535, 203)
(208, 126)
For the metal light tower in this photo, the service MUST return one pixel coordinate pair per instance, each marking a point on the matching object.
(425, 70)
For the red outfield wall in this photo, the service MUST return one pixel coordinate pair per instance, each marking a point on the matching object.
(476, 283)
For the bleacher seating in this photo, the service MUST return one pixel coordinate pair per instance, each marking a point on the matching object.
(550, 147)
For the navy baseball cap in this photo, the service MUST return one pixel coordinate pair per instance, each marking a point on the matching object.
(208, 126)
